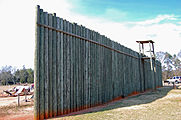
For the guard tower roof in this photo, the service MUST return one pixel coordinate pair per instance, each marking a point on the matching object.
(145, 41)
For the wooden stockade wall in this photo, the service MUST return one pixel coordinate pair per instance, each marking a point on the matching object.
(77, 68)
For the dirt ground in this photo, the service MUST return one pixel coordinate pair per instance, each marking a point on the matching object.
(163, 104)
(9, 109)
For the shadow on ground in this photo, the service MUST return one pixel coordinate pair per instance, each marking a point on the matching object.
(142, 98)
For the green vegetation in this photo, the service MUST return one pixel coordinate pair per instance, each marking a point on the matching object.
(10, 75)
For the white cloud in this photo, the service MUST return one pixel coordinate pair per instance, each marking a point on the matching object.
(157, 20)
(18, 30)
(179, 22)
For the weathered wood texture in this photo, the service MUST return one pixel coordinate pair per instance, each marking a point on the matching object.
(77, 68)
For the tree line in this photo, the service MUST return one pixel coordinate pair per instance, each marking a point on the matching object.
(10, 75)
(171, 64)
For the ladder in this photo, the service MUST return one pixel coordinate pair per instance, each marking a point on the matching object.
(151, 57)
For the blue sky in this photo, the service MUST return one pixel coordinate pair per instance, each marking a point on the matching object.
(123, 21)
(126, 10)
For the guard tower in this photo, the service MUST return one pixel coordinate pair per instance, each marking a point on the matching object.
(151, 56)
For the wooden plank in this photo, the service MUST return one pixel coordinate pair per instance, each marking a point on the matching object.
(36, 65)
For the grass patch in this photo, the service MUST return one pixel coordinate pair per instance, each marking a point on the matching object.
(163, 104)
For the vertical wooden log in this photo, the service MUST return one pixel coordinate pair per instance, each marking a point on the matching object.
(65, 68)
(84, 69)
(61, 69)
(58, 64)
(71, 69)
(54, 72)
(122, 72)
(100, 62)
(118, 74)
(68, 69)
(141, 63)
(95, 67)
(110, 73)
(113, 71)
(46, 67)
(80, 70)
(41, 76)
(99, 68)
(50, 66)
(36, 65)
(116, 71)
(132, 73)
(75, 70)
(87, 70)
(104, 69)
(93, 71)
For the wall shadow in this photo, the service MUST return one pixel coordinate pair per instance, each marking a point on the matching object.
(139, 99)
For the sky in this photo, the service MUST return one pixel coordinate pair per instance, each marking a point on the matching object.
(123, 21)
